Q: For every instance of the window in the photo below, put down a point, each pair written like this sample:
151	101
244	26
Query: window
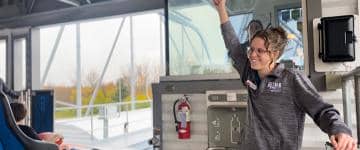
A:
195	42
196	45
127	72
290	20
3	59
240	23
20	63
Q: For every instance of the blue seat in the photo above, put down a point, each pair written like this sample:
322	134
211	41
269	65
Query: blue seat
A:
11	137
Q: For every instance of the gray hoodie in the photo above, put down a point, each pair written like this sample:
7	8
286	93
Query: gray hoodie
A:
277	104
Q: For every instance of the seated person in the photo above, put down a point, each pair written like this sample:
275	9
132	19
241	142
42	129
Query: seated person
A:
19	110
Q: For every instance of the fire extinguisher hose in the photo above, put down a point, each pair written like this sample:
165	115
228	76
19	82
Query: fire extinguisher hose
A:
174	112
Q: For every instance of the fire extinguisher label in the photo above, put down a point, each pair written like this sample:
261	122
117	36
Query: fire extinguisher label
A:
188	116
182	118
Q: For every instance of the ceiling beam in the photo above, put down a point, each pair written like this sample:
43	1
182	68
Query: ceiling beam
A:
95	10
71	2
30	6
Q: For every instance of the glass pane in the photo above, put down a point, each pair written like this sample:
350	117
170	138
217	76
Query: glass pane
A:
240	23
95	51
147	69
20	64
290	20
58	66
97	40
63	55
3	59
196	45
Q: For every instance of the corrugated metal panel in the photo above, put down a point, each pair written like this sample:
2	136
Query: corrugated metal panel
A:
199	138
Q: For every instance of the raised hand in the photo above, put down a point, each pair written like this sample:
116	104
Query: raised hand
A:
221	8
220	4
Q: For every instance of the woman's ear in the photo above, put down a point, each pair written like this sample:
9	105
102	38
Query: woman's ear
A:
276	54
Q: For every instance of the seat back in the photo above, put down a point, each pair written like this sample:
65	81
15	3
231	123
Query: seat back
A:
7	138
11	137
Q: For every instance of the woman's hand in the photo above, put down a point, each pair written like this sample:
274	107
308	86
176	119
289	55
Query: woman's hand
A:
221	8
342	141
220	4
51	137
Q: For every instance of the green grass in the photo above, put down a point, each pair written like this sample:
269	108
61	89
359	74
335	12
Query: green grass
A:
67	114
142	105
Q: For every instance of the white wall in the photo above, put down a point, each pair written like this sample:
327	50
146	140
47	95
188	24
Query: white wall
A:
338	7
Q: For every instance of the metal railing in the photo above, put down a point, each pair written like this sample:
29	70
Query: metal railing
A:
346	94
105	112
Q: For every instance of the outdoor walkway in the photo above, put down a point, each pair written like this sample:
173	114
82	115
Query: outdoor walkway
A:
78	131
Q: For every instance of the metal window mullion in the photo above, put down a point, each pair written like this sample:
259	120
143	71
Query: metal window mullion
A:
167	39
28	61
133	75
357	103
9	61
53	52
346	102
105	68
78	70
161	46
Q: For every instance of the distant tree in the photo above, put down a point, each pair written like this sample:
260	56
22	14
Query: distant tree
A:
91	78
124	92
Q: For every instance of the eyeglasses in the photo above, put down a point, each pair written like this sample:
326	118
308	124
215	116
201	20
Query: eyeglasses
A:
258	51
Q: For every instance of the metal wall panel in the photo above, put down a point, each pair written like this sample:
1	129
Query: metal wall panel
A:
198	117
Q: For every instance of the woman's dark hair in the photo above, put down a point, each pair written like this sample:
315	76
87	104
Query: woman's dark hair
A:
275	38
254	26
19	110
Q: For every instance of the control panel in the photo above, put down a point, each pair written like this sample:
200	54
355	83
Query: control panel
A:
226	113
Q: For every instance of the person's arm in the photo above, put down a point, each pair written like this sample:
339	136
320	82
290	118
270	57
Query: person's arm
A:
236	51
324	115
221	8
9	92
13	94
30	132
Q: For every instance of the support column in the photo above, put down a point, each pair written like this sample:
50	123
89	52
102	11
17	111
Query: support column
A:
35	61
78	71
357	104
133	67
346	102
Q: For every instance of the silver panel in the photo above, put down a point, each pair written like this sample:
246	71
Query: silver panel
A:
198	140
226	115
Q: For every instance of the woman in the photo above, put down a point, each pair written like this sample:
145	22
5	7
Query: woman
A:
278	97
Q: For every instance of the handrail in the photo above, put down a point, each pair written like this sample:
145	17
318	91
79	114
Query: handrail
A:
101	105
346	82
351	74
105	116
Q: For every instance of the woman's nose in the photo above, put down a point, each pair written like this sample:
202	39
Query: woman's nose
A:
252	54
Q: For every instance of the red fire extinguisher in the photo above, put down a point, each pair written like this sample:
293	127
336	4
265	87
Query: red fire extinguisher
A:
182	117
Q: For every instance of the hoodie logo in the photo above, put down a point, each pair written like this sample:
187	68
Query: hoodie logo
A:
274	86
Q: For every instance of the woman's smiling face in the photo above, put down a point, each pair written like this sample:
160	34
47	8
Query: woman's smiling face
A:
260	57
